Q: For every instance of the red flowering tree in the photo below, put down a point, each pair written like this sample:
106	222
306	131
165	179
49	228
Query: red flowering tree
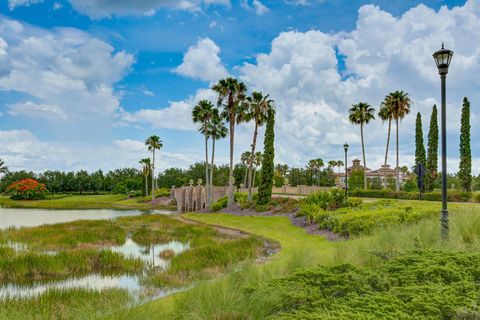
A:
27	189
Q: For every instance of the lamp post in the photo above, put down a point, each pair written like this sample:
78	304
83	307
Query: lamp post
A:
345	147
442	58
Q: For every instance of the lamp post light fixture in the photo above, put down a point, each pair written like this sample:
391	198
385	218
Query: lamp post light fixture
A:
345	147
442	58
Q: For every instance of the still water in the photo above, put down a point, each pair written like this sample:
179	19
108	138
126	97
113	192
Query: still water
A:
36	217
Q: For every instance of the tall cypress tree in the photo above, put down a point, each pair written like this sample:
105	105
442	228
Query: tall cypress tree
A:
465	170
432	157
266	184
420	154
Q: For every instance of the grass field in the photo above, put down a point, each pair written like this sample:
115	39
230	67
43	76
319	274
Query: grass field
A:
109	201
237	296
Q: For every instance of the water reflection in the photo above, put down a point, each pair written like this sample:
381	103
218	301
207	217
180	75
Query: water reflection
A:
151	254
36	217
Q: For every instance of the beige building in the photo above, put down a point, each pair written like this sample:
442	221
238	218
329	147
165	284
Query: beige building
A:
371	174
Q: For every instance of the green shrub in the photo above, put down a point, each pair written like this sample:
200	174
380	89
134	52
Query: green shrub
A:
419	285
219	204
452	195
162	192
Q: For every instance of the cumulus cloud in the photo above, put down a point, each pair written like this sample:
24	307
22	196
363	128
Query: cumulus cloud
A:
30	109
97	9
178	115
382	54
255	5
67	70
202	61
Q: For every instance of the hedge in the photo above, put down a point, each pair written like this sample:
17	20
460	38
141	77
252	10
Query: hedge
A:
452	196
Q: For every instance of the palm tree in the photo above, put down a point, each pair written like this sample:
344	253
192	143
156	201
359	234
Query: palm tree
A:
401	104
231	94
203	113
319	166
246	159
3	168
339	165
257	162
146	164
332	164
361	114
385	113
216	131
153	143
312	168
258	107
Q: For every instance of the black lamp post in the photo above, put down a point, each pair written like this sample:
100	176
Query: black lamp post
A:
442	59
345	147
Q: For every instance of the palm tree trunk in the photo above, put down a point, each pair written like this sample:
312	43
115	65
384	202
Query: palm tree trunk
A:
364	161
386	152
207	184
153	176
230	175
250	167
254	174
146	185
210	191
398	162
245	176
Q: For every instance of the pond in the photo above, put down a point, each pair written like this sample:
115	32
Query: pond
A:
36	217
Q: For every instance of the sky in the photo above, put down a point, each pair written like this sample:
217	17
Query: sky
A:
83	83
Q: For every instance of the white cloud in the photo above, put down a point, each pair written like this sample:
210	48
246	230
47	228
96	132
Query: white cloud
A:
382	54
255	5
4	60
178	115
98	9
30	109
202	61
65	68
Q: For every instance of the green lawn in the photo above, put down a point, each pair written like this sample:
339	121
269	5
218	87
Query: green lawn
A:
109	201
231	298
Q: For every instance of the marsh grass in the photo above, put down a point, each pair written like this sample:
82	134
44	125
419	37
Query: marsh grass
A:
79	248
65	304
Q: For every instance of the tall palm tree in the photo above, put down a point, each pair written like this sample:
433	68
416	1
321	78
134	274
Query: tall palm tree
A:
257	162
386	113
361	114
312	168
246	159
332	164
401	104
258	107
319	166
146	164
203	113
3	168
217	130
340	164
231	94
153	143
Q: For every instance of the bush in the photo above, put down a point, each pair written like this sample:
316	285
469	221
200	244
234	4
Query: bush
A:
452	196
419	285
162	192
220	204
327	200
27	189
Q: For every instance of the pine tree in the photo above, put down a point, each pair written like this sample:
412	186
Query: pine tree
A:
420	154
266	184
465	170
432	157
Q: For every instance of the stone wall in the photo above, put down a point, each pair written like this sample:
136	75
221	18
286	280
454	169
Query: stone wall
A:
300	190
194	198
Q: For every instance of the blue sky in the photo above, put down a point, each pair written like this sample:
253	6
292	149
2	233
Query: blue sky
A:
84	82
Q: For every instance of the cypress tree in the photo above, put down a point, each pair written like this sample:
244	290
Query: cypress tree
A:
266	184
432	157
465	170
420	154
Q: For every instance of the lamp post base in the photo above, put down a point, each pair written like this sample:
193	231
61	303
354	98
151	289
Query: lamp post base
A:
444	224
